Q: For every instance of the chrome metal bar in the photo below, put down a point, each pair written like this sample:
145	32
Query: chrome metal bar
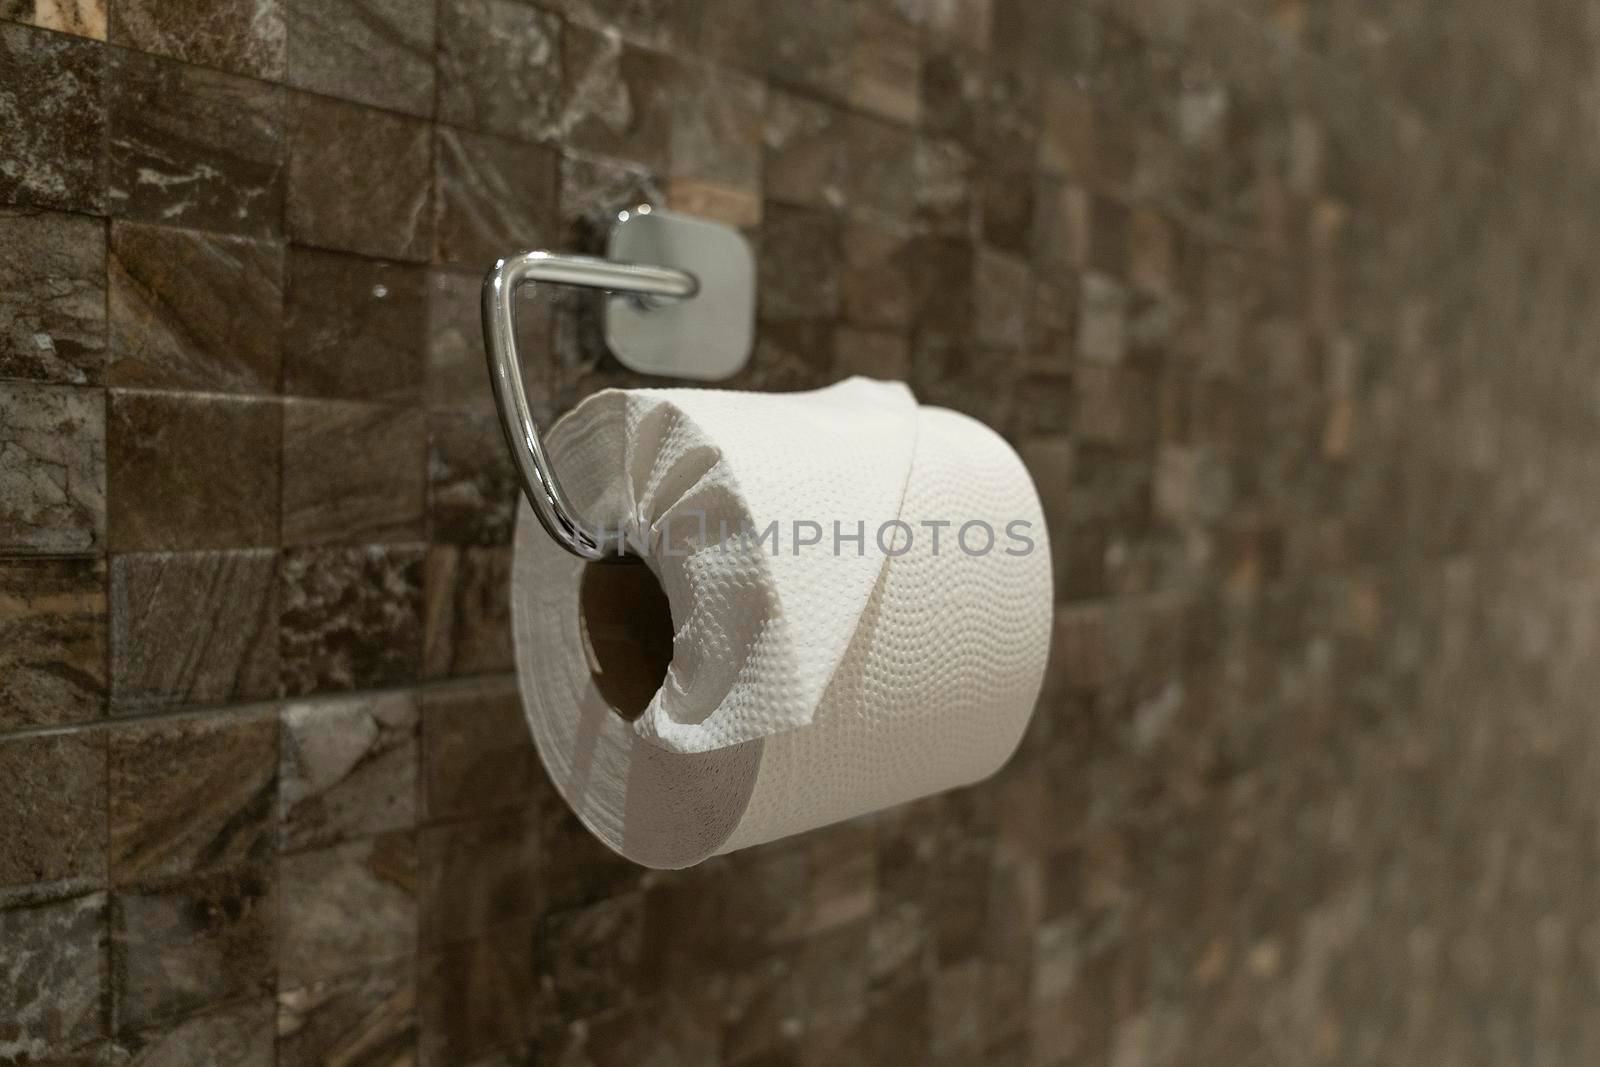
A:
556	513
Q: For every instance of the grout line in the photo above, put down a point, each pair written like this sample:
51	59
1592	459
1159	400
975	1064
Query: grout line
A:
420	689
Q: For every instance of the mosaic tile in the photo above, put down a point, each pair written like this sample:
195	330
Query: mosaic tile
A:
192	472
194	147
55	156
243	36
52	641
192	794
52	470
52	296
190	310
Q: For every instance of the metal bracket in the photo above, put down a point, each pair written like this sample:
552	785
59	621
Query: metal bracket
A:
691	317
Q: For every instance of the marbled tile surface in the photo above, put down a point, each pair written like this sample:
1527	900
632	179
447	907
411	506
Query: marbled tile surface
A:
377	52
353	328
359	179
243	36
500	68
192	794
193	628
365	1017
467	611
82	18
192	471
351	617
352	472
52	470
1285	305
59	782
349	767
194	147
52	641
191	310
495	196
52	974
55	152
347	907
234	1036
53	307
181	944
473	734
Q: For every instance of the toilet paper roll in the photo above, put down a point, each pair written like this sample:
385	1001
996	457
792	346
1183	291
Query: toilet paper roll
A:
860	605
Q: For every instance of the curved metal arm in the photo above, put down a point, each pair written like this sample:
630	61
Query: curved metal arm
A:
538	478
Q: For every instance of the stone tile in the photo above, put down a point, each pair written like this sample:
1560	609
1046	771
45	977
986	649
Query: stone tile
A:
192	472
193	311
367	1017
618	99
593	190
52	469
349	767
1061	227
193	628
54	154
1066	133
790	355
592	956
477	877
872	353
472	736
182	944
652	23
58	780
192	794
500	68
954	86
473	489
377	52
52	296
352	618
359	180
81	18
52	641
886	69
239	1035
717	130
874	282
575	869
945	201
467	625
812	47
1002	291
194	147
242	36
458	377
52	976
1102	320
496	197
352	472
797	265
879	175
480	1003
354	328
1005	209
805	151
347	908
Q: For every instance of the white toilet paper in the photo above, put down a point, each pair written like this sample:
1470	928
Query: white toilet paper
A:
860	601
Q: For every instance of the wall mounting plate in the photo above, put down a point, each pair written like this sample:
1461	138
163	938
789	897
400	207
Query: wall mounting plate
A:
705	337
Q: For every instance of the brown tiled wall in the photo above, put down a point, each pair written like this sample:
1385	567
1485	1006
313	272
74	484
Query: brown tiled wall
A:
1288	304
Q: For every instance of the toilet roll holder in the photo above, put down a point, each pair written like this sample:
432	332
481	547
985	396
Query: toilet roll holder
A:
682	305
